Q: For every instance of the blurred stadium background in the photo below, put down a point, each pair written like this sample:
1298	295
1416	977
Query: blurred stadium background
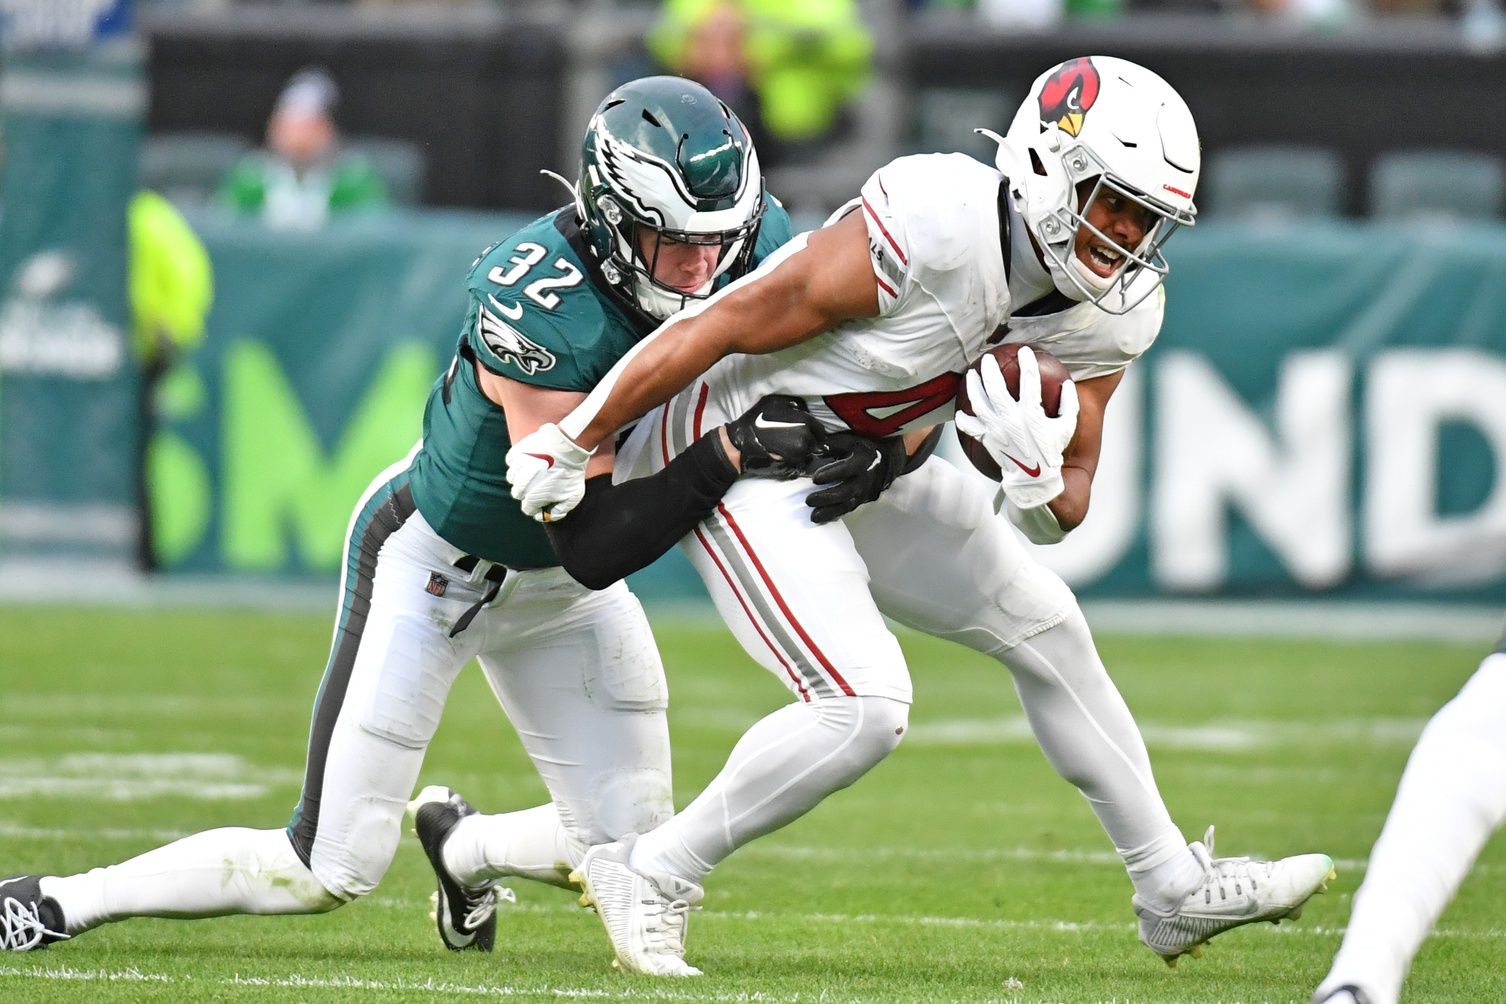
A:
1316	446
1323	417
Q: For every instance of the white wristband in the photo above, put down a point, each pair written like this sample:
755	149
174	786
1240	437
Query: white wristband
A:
1038	523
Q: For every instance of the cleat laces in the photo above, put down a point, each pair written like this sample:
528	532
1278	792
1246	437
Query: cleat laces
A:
665	921
21	926
481	904
1223	874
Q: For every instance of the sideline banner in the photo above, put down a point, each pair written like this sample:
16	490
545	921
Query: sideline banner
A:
1325	411
72	100
320	351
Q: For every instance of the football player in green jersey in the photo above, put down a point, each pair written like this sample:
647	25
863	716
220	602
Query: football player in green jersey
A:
441	566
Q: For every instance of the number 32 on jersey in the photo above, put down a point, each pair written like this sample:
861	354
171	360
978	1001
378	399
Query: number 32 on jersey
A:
540	290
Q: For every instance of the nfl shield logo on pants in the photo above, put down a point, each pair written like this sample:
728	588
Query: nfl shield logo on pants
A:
437	584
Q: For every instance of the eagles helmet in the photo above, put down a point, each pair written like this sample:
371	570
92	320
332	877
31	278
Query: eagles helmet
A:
663	154
1096	124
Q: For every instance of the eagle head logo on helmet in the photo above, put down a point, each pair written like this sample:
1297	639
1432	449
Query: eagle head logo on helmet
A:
1068	93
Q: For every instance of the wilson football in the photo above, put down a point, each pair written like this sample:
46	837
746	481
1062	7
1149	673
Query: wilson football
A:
1053	375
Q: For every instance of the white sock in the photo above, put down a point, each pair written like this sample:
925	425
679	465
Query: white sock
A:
1452	797
531	843
210	874
779	770
1087	732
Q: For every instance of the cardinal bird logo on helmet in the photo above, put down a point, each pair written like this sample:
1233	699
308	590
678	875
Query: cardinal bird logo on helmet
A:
1069	93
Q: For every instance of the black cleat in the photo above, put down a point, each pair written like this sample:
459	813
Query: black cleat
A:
465	918
28	919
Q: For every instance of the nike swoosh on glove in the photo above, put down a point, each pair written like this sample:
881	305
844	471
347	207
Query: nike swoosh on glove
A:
777	437
1024	441
854	470
547	471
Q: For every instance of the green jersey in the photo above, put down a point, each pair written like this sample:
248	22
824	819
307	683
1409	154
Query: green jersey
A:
540	313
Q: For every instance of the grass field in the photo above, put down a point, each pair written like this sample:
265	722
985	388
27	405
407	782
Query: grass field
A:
961	869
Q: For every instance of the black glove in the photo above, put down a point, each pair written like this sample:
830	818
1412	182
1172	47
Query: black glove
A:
857	469
777	437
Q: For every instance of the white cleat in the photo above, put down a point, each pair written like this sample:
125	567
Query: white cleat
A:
1234	892
645	915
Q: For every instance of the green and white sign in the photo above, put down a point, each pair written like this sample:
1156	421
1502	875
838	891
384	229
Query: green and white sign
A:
70	121
1325	411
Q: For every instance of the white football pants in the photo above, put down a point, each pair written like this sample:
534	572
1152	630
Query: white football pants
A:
808	603
576	671
1452	797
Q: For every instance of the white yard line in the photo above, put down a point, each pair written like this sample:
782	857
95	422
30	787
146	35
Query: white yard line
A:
1219	735
41	582
296	981
127	777
66	973
19	832
711	914
1026	855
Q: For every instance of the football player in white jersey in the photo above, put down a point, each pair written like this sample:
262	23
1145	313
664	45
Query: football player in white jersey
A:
1452	797
873	320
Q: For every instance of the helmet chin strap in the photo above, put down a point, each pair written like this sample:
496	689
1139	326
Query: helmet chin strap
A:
1095	282
1030	203
658	302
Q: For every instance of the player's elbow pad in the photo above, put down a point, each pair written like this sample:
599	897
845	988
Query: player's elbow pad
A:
1038	523
618	529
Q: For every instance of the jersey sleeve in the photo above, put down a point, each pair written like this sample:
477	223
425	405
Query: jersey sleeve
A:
1107	343
515	336
921	222
1131	334
774	230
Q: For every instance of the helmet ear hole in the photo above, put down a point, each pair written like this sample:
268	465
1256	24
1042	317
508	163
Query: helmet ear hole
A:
1035	163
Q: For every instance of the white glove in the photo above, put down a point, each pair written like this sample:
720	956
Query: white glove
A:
547	471
1024	441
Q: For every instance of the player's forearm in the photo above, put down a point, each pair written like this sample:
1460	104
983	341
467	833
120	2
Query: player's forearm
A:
1071	507
789	300
652	372
619	528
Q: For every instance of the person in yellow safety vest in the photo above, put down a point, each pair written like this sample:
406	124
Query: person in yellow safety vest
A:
171	284
806	58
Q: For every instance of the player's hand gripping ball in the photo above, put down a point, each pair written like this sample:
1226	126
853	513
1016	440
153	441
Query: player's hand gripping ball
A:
1054	376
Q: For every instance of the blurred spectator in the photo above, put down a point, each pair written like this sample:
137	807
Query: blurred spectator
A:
714	53
1317	12
302	176
798	62
1030	13
171	283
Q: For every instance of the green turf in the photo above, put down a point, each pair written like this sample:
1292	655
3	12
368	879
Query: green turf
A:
960	869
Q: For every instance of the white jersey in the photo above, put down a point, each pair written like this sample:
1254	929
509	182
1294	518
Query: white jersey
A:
933	239
1091	342
934	242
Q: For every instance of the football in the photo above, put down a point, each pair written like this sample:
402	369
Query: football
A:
1053	375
